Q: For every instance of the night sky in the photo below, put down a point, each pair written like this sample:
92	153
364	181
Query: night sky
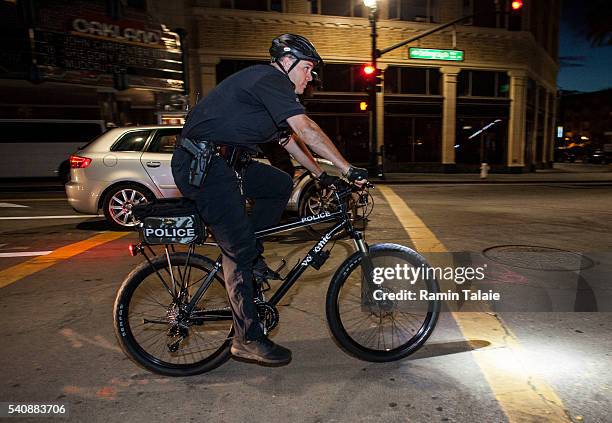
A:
582	67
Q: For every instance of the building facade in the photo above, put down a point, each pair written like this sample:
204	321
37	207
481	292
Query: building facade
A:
428	108
426	112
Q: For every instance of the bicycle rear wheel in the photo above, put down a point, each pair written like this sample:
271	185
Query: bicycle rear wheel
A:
151	323
380	331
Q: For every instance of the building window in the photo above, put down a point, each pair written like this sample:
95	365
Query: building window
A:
413	139
350	134
413	10
482	84
406	80
342	78
349	8
488	146
314	7
488	13
263	5
276	5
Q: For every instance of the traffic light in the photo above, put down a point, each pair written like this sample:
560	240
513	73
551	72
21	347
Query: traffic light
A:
363	106
517	4
368	72
378	80
373	78
515	18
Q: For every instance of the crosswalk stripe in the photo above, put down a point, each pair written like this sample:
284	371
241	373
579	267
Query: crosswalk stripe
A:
69	216
29	267
24	254
521	394
12	205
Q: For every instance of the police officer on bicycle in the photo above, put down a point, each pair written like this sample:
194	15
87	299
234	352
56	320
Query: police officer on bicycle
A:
213	167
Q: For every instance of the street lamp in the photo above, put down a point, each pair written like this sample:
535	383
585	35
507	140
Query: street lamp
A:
372	5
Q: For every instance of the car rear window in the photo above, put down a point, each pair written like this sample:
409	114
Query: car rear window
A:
131	141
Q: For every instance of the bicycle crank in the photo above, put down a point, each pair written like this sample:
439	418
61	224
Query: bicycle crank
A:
268	316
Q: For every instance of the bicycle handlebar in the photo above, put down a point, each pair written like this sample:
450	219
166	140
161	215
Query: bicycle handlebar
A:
344	188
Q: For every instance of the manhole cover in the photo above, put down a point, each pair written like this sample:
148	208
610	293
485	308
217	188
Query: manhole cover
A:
538	258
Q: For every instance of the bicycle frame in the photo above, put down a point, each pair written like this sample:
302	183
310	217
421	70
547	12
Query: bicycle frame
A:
315	256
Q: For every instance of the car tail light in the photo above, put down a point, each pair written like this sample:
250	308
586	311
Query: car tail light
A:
78	162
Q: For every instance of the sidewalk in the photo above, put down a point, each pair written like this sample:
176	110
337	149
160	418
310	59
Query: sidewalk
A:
560	173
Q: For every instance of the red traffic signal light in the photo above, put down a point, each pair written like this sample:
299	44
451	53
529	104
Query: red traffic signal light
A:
368	69
515	19
516	4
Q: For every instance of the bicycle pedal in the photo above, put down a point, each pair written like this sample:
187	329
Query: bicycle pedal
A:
278	271
263	284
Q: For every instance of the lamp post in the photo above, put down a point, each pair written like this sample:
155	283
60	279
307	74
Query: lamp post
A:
372	5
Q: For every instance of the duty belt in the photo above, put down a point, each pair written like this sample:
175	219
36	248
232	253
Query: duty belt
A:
202	151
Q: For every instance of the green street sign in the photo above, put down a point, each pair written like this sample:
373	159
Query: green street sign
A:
435	54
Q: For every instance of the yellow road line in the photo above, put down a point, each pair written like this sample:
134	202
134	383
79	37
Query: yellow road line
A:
521	394
21	270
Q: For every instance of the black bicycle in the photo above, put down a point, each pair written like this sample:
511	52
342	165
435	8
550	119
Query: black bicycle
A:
172	315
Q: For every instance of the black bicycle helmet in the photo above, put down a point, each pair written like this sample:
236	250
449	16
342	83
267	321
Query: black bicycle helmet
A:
296	46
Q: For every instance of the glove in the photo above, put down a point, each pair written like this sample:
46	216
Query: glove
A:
327	180
356	174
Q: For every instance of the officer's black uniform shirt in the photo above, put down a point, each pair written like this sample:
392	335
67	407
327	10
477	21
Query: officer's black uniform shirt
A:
250	107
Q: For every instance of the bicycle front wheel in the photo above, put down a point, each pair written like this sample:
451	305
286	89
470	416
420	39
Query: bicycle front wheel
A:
373	329
153	327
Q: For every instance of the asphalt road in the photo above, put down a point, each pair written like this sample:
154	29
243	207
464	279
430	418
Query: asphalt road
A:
59	347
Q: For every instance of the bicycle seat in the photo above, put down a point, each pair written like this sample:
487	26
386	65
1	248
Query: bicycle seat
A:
170	221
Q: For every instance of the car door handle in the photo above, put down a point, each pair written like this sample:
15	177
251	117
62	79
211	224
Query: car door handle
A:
153	164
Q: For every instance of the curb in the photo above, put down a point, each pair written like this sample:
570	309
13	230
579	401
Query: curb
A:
490	182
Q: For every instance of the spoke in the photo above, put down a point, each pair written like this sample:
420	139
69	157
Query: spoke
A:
358	322
404	328
370	337
162	350
161	322
150	296
346	310
156	334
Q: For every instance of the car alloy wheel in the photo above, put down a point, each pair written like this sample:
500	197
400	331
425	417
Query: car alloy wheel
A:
119	203
316	199
319	201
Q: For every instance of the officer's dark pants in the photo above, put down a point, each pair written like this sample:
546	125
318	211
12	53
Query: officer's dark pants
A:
222	207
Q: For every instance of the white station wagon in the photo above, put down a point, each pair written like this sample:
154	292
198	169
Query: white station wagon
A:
126	166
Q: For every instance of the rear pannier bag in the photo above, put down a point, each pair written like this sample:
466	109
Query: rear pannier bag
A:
170	221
